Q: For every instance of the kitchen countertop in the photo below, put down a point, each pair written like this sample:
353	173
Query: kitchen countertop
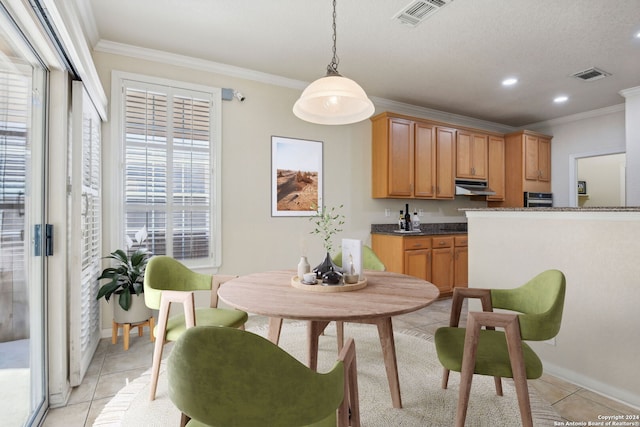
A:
429	229
558	209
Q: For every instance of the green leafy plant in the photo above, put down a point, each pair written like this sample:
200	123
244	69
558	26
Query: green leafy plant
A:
328	222
125	278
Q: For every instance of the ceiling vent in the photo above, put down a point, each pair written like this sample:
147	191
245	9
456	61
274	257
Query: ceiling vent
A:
591	74
419	10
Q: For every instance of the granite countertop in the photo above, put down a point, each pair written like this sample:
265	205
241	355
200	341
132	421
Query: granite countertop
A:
430	229
558	209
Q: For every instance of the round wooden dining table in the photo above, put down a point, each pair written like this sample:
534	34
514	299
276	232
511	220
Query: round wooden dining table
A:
386	295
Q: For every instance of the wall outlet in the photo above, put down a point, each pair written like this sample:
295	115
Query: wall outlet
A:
387	212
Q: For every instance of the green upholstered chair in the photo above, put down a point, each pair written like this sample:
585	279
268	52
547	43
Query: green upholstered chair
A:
535	315
228	377
370	261
167	281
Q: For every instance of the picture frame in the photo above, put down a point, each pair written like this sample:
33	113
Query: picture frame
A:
582	187
296	176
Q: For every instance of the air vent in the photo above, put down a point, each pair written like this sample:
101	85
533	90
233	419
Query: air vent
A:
417	11
591	74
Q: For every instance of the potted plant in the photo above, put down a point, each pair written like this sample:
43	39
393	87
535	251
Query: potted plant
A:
327	222
125	279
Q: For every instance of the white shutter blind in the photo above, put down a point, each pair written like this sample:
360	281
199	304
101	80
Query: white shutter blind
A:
85	233
168	171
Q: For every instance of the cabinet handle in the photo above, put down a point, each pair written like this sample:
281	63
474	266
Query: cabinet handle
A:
442	243
417	245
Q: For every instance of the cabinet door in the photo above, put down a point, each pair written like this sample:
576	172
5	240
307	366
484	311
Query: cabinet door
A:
496	168
442	269
445	163
544	159
479	155
464	155
417	263
400	157
531	168
461	270
425	160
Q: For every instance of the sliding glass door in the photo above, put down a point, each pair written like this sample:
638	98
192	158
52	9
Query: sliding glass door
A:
22	292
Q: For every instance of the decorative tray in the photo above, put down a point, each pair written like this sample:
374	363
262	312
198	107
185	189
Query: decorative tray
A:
319	287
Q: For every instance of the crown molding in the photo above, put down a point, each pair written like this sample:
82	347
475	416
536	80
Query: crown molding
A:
438	115
628	93
577	117
107	46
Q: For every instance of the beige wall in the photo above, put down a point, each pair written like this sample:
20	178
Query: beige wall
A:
599	342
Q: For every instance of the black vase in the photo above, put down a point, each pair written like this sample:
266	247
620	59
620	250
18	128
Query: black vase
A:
325	266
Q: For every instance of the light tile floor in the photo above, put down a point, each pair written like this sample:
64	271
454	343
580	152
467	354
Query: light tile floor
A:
112	368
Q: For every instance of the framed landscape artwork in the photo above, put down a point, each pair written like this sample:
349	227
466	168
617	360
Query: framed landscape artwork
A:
296	176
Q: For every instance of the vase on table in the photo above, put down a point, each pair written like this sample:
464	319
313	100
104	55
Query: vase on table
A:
325	266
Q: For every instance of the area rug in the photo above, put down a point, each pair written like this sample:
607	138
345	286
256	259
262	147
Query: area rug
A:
425	403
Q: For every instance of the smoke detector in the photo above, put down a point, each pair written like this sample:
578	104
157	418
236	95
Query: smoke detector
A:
419	10
591	74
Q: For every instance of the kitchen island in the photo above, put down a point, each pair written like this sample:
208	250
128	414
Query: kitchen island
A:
598	250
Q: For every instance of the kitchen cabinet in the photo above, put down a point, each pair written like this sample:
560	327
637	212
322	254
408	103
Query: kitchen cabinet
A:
471	155
496	175
528	167
411	158
439	259
442	267
461	262
417	257
537	161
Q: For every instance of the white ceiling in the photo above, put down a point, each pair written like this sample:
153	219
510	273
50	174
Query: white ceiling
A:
454	61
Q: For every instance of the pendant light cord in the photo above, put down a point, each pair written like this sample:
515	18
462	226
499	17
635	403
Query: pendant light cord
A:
332	68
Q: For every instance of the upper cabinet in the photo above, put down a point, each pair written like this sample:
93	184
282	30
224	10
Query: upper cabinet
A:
496	168
415	158
528	160
472	155
411	158
537	166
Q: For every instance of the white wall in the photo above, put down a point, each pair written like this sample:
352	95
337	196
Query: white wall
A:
583	135
599	342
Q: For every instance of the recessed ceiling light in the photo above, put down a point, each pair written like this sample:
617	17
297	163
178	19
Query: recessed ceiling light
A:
510	81
638	35
560	99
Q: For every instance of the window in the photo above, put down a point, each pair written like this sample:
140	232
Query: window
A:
170	149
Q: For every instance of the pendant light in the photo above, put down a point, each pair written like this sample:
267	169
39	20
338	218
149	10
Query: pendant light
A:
333	99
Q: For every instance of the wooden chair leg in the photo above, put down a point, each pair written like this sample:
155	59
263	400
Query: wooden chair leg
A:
445	378
163	317
498	382
340	335
184	419
516	357
468	366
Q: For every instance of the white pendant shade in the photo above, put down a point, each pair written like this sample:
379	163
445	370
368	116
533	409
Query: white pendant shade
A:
333	100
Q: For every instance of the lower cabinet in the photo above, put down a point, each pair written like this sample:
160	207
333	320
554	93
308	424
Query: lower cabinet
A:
441	260
461	262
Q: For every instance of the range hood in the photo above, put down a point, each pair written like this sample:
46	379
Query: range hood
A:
473	188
